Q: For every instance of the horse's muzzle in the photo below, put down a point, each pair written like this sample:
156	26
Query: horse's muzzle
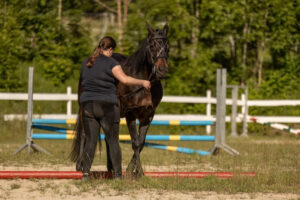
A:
161	68
161	72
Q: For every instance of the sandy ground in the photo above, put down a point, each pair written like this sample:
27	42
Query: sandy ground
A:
67	189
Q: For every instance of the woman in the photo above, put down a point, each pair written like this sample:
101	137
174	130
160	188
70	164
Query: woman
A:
98	100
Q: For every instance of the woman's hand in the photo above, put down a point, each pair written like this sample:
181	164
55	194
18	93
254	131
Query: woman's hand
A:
146	84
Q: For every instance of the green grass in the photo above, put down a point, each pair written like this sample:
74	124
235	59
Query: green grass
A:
15	186
275	159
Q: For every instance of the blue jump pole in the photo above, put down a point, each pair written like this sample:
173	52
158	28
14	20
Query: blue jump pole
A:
154	122
50	128
127	137
177	149
49	121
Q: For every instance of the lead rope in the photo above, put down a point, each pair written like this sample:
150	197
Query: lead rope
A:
153	70
138	89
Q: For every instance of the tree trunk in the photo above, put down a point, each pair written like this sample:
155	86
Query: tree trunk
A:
120	24
59	9
260	50
106	6
195	30
245	49
32	40
296	48
4	20
105	25
260	58
232	50
255	67
125	12
246	32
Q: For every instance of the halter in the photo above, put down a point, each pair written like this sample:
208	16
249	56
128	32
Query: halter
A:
159	54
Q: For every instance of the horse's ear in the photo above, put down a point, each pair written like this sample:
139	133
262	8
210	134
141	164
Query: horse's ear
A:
166	28
150	30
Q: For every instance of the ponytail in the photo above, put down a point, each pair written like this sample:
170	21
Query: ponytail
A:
104	44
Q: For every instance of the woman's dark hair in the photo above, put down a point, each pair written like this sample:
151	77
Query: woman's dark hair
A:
105	43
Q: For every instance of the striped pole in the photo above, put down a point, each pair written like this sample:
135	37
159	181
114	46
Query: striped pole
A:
127	137
52	128
165	137
108	175
123	122
277	126
177	149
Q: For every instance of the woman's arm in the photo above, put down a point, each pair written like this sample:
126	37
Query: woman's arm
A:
128	80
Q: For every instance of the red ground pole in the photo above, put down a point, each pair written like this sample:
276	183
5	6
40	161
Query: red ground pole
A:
198	174
40	174
107	175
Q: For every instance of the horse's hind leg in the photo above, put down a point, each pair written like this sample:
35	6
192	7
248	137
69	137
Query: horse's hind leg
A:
143	128
131	124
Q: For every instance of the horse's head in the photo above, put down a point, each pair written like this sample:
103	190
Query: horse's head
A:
158	49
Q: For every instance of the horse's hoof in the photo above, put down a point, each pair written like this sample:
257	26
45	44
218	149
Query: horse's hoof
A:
139	174
85	177
117	177
79	166
130	168
129	173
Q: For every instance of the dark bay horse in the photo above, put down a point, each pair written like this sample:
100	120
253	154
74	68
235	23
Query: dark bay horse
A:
149	62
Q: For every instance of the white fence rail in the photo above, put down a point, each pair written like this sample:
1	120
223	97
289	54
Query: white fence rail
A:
169	99
208	100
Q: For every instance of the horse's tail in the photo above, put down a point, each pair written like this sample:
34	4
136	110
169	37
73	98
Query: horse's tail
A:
77	147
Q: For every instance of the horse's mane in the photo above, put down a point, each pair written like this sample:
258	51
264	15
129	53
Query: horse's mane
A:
134	62
119	57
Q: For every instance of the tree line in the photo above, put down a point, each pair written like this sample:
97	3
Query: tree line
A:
257	41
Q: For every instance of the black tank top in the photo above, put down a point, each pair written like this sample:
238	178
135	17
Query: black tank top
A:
98	81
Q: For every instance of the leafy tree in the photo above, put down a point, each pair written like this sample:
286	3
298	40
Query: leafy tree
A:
257	41
12	51
31	32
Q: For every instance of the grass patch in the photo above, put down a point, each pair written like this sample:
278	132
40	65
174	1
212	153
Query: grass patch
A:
15	186
275	159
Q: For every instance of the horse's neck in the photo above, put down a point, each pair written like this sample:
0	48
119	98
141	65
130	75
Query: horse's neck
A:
137	64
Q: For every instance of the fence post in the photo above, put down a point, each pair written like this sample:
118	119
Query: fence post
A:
245	113
29	109
221	114
223	105
218	114
29	143
234	93
208	111
69	102
243	104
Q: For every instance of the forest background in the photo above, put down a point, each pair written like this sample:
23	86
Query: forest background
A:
257	42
